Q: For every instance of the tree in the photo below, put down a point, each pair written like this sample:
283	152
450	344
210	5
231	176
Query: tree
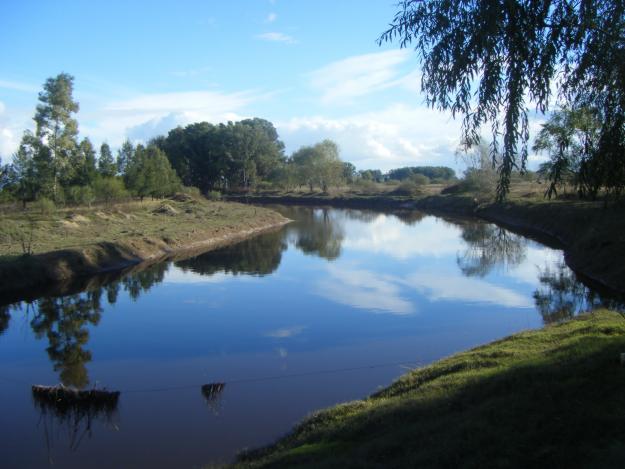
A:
124	156
150	173
83	165
56	128
319	165
106	164
22	174
483	59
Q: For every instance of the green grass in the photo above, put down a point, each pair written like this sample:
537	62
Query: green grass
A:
554	397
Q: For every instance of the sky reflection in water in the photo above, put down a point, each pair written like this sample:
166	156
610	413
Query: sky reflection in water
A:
277	326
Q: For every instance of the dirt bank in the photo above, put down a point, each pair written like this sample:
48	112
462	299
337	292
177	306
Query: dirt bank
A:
150	234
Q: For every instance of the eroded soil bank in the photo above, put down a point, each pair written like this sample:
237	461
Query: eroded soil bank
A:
77	243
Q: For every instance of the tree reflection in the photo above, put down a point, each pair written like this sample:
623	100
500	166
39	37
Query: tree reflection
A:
562	296
257	256
5	318
489	246
64	322
316	232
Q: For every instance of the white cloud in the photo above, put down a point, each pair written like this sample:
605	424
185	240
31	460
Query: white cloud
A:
17	86
271	17
148	115
10	133
455	287
277	37
359	75
363	289
397	135
181	102
389	236
285	332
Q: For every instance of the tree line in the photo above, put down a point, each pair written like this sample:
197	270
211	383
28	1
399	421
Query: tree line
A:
52	163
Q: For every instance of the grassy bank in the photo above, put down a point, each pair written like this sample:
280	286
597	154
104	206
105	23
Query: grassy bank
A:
38	247
546	398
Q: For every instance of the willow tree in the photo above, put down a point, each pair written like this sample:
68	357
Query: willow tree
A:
488	59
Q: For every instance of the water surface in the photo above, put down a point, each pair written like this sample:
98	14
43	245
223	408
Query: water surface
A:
325	310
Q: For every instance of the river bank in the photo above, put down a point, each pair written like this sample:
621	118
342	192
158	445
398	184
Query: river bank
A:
590	235
37	249
549	397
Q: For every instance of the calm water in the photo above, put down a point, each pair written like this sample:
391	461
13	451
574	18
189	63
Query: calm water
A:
330	308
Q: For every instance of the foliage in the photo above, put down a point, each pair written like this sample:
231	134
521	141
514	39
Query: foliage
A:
236	154
431	172
110	189
372	175
150	174
81	195
44	206
56	131
213	195
482	59
107	167
570	138
318	165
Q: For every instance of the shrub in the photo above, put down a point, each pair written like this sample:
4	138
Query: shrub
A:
190	190
366	186
420	179
407	188
80	195
213	195
110	189
44	206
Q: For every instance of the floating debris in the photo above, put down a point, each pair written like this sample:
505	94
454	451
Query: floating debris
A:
212	393
65	400
73	409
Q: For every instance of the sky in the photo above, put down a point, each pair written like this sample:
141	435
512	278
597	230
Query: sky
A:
313	68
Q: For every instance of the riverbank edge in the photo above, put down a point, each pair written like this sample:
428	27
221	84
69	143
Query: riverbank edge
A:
65	265
545	397
590	236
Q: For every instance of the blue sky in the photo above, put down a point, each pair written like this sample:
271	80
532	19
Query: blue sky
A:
141	68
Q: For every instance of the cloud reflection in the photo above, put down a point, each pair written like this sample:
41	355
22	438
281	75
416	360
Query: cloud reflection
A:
445	286
364	289
388	235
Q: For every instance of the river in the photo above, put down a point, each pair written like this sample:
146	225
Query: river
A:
327	309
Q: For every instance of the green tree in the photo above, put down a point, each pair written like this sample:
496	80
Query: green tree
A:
124	156
319	165
106	164
22	173
569	137
56	128
150	173
483	59
83	165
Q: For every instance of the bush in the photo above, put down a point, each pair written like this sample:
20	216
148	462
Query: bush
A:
365	186
407	188
190	190
110	189
420	179
213	195
80	195
44	206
